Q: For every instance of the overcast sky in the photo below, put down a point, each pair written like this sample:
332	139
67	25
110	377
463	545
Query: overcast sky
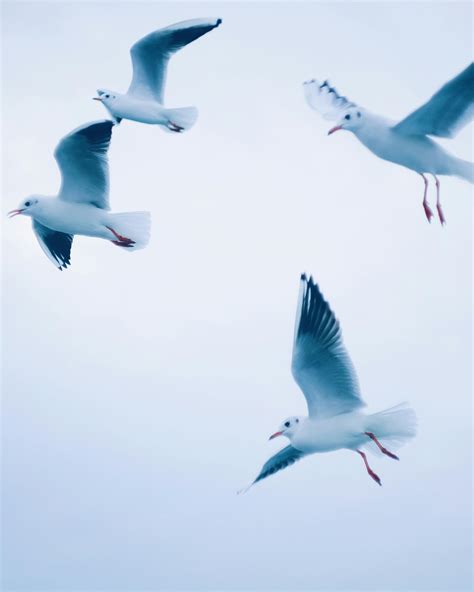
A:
140	389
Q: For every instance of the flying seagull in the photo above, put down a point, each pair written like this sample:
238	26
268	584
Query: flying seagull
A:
82	205
407	142
150	55
323	370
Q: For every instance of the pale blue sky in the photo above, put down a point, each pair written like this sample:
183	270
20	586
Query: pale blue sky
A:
140	389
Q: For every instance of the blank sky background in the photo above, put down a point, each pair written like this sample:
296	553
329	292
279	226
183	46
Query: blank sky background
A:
140	389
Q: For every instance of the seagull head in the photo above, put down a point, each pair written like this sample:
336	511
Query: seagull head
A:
27	207
351	120
105	96
288	427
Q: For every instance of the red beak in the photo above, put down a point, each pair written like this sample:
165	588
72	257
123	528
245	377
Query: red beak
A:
96	99
275	435
14	213
334	129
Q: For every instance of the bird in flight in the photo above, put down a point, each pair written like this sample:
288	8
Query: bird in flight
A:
324	372
144	100
82	205
407	142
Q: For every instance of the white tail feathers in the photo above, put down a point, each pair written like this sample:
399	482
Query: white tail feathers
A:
133	228
392	426
464	169
182	119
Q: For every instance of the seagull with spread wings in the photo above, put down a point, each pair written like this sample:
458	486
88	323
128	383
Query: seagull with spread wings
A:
82	205
323	370
407	142
150	56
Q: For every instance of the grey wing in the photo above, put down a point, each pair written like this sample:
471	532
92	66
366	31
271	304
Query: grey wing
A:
56	245
82	159
150	55
448	110
325	99
321	365
282	459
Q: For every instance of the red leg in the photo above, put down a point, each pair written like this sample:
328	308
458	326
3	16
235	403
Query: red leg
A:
426	206
442	219
381	448
122	241
374	476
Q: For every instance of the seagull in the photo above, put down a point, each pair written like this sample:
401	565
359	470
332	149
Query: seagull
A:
324	372
82	205
407	142
150	55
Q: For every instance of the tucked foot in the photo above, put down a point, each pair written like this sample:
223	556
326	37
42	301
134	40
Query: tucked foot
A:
442	219
174	127
374	476
122	241
428	212
381	448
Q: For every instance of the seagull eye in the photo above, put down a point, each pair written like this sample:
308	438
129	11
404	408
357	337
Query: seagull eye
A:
27	203
107	96
287	424
347	117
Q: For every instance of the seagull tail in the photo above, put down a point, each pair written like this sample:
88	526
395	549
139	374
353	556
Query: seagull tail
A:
180	120
392	426
133	227
464	169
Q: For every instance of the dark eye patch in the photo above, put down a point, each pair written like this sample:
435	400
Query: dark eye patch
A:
358	114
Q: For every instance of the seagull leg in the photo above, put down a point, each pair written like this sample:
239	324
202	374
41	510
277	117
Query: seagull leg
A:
381	448
122	241
174	127
442	219
426	206
374	476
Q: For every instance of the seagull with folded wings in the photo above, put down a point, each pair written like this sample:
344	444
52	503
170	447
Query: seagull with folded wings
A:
407	142
144	99
82	205
323	370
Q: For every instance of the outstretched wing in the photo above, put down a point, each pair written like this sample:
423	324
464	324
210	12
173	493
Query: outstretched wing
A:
325	99
286	457
82	159
448	110
56	245
321	365
150	55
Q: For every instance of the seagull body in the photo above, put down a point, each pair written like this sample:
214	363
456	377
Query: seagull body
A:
143	101
81	206
324	372
408	142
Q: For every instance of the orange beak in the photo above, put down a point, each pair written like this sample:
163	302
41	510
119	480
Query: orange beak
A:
14	213
275	435
334	129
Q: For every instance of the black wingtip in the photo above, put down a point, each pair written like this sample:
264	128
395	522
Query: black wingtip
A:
303	277
218	22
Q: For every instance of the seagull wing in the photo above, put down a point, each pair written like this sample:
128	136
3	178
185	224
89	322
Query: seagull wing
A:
286	457
150	55
82	159
56	245
325	99
448	110
321	366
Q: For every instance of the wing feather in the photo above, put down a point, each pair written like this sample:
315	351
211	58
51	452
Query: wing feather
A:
56	245
325	99
150	55
282	459
82	160
448	110
320	365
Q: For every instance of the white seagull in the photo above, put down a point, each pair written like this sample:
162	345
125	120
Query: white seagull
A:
323	370
407	142
82	205
150	55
